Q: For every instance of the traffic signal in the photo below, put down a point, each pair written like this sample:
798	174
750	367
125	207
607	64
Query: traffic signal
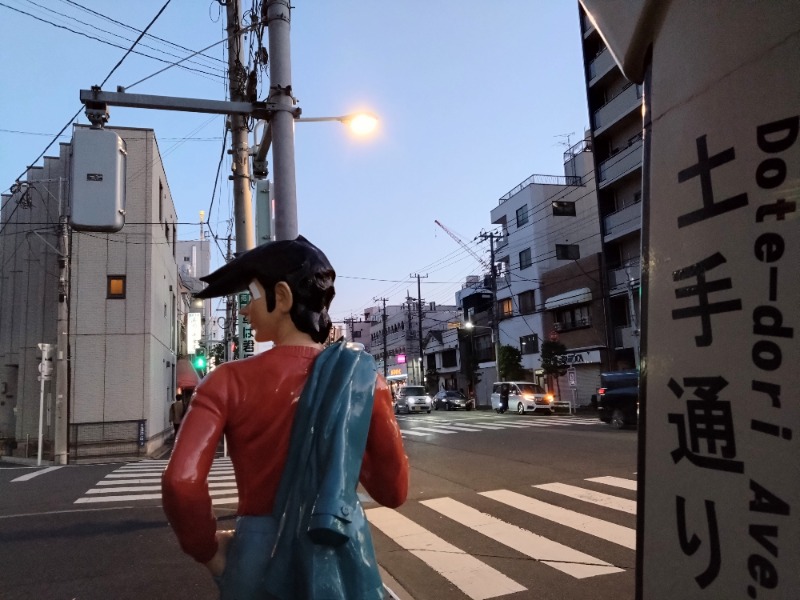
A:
200	359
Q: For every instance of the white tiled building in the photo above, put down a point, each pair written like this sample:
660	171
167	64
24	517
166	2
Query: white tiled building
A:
122	295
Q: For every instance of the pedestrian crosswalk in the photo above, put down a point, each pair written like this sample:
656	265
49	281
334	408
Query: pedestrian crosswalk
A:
416	426
613	551
576	530
142	481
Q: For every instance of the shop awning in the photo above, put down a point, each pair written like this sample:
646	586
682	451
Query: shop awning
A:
579	296
187	377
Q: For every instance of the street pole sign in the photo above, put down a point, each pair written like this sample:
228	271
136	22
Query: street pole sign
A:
46	373
719	475
246	346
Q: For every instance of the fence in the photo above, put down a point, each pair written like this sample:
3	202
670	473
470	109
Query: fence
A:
109	438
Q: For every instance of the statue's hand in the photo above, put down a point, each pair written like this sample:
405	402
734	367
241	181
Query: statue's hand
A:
217	563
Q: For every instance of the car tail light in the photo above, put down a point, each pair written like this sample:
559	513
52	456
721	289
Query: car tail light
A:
601	391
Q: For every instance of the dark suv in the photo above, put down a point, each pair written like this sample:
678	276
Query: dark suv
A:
618	398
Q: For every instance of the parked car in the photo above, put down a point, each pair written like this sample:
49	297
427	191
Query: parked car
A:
619	406
618	398
451	400
413	398
523	396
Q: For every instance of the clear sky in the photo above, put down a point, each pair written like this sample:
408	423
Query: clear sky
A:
473	98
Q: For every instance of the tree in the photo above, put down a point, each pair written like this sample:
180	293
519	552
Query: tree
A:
552	357
217	352
510	367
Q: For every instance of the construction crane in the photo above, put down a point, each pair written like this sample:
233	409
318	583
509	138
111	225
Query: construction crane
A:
458	240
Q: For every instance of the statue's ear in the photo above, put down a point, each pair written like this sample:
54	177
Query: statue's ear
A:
283	296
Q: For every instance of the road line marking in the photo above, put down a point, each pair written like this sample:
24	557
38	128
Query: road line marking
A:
137	475
628	484
231	500
432	430
599	498
412	432
30	476
129	497
503	424
495	427
150	486
560	557
458	427
474	578
611	532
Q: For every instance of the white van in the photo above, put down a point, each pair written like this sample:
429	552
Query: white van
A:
523	396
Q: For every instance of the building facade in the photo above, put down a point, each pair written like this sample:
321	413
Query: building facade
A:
122	295
615	114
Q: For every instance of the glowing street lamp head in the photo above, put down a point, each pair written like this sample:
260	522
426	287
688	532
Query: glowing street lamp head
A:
362	123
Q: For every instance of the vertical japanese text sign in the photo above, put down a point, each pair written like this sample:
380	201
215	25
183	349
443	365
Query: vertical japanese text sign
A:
246	346
719	476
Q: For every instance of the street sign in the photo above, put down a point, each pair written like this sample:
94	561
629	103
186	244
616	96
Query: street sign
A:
572	377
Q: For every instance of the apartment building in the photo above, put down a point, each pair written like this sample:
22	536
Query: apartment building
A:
550	285
122	295
616	132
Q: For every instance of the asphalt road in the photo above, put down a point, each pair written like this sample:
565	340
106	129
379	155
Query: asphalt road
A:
98	532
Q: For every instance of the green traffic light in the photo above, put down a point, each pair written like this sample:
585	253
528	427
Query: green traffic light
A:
200	363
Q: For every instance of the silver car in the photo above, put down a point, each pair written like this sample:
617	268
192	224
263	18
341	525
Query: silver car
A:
413	398
523	396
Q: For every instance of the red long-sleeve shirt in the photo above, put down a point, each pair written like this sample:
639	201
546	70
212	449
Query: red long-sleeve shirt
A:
253	402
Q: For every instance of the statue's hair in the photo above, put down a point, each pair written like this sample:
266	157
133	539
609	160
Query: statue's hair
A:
299	263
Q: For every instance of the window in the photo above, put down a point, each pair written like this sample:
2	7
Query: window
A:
527	304
572	317
186	259
356	333
568	251
505	308
562	208
115	287
529	344
525	260
449	359
522	216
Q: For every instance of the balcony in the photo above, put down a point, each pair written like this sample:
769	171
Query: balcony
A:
570	325
622	222
586	26
621	105
618	278
622	163
600	66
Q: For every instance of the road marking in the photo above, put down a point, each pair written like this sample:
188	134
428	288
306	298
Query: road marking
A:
129	497
563	558
474	578
611	532
30	476
503	424
138	475
495	427
628	484
607	500
432	430
150	486
412	432
457	427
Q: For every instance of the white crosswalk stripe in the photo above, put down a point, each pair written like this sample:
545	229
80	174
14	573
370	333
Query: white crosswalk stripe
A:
142	481
478	580
416	426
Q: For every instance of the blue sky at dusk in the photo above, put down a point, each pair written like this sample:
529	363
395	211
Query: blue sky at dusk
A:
473	97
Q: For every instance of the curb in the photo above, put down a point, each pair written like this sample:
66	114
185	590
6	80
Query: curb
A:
394	591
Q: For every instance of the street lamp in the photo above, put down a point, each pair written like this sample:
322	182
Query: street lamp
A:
359	123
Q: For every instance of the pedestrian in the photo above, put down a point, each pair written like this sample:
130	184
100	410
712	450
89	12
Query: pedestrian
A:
304	426
505	390
176	411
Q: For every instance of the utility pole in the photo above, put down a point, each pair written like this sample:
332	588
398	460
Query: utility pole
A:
278	15
419	323
385	355
495	313
240	156
229	324
60	433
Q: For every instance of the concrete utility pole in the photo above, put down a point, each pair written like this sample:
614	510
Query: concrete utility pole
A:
385	354
242	200
229	307
60	434
278	16
419	323
495	313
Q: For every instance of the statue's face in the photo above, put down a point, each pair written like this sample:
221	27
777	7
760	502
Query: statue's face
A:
263	322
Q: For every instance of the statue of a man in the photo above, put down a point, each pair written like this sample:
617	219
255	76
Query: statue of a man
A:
300	529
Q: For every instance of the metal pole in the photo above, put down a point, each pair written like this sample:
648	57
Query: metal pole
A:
419	326
60	454
282	122
243	210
